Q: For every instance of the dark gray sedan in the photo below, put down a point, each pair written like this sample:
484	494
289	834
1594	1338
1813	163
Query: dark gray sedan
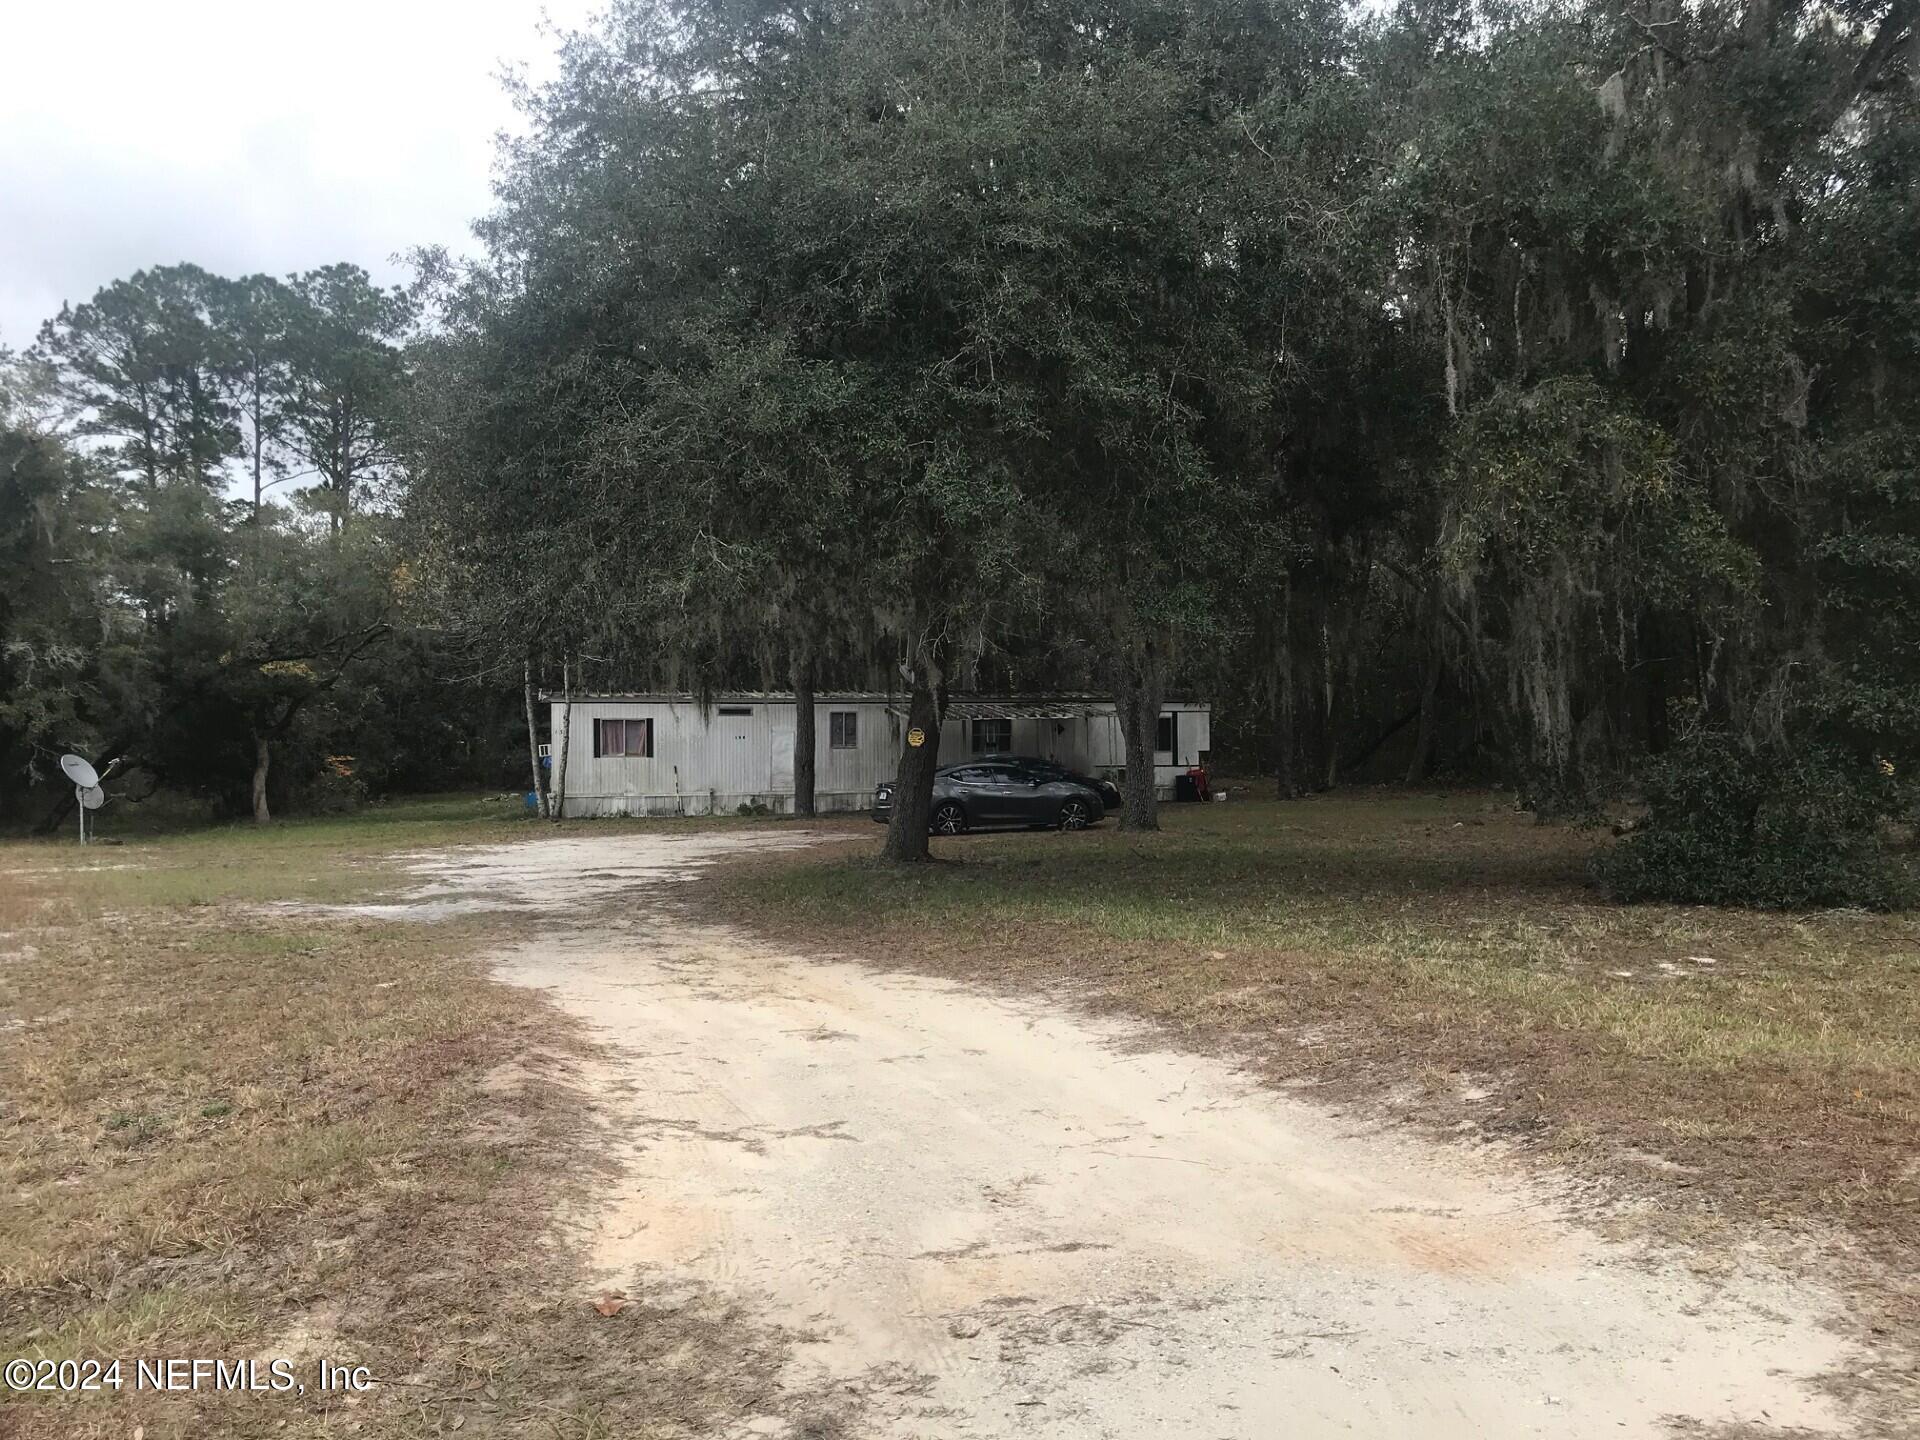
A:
1108	792
980	794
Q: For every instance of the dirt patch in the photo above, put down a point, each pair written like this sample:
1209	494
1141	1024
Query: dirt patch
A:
988	1216
553	875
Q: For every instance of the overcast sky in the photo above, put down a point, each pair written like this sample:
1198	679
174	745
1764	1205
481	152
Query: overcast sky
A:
245	135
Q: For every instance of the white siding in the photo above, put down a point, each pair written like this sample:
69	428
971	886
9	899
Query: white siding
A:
1192	736
1064	741
704	762
845	779
701	763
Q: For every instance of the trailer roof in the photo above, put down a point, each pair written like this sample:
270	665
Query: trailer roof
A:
725	697
1061	705
1014	707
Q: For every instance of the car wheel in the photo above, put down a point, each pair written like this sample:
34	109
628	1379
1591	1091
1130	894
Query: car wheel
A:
949	819
1075	815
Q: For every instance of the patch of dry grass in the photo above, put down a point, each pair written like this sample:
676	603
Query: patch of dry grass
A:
230	1134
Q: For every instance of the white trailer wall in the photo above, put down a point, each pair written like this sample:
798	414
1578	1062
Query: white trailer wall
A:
708	760
845	779
1063	741
1192	739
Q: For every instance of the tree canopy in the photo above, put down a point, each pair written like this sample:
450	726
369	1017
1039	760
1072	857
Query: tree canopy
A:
1512	391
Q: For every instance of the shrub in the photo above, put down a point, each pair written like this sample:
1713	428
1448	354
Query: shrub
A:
1730	825
335	789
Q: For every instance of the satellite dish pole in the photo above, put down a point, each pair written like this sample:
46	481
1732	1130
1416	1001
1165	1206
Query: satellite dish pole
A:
92	798
84	779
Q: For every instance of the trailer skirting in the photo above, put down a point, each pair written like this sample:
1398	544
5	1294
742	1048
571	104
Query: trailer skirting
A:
825	802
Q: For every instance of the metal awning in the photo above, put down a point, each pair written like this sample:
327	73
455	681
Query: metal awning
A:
1010	709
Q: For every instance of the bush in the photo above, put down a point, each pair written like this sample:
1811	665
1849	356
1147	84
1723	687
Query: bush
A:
1728	825
335	788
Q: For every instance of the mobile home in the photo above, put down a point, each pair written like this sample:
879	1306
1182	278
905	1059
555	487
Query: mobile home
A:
662	754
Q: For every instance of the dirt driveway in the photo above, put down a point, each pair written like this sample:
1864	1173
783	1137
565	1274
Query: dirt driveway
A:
983	1217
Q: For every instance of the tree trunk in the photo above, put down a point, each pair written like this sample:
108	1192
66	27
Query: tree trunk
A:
1286	786
913	781
1423	737
803	736
262	757
1372	747
533	740
1486	695
259	442
1137	699
557	810
1331	757
1657	732
1140	794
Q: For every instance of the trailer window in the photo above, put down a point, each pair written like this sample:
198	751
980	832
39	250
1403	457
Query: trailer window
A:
623	737
1167	735
843	729
992	737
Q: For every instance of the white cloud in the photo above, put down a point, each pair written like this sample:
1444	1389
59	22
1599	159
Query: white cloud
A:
245	135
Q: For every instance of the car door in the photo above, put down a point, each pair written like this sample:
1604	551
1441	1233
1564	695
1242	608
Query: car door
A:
969	785
1004	794
1041	790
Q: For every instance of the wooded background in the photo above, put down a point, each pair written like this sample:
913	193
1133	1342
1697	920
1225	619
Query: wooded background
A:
1518	393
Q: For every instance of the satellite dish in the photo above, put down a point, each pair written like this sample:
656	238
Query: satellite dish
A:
93	797
79	771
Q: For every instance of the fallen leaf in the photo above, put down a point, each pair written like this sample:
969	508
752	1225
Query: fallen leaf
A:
612	1303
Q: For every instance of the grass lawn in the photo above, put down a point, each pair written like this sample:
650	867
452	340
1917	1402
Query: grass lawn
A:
1442	958
230	1132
